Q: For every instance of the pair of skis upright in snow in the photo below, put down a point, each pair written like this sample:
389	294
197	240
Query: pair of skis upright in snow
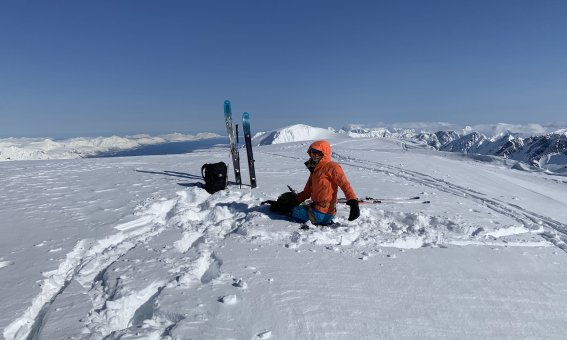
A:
233	140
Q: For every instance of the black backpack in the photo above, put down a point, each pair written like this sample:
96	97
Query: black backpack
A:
215	176
285	203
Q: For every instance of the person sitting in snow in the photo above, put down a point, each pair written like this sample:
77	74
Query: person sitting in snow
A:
322	187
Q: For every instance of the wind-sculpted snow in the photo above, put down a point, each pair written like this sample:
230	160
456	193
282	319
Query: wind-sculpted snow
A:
88	260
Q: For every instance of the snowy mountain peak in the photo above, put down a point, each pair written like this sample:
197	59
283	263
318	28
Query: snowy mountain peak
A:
467	143
293	133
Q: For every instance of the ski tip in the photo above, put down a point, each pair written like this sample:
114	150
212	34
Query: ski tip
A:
227	106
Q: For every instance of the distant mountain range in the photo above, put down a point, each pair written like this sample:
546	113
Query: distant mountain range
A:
546	151
46	148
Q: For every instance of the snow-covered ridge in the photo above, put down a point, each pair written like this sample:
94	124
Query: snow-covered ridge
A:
293	133
47	148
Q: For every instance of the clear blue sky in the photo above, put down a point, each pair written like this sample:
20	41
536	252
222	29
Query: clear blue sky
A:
71	68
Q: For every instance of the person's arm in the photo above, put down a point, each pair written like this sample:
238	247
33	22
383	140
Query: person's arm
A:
306	193
340	178
343	183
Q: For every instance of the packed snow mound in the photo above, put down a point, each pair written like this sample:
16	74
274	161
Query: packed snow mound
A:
47	148
293	133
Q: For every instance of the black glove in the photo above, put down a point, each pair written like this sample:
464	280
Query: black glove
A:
354	209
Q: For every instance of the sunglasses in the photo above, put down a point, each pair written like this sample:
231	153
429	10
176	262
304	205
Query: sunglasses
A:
315	152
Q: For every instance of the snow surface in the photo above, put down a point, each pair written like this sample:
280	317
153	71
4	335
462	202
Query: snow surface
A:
133	248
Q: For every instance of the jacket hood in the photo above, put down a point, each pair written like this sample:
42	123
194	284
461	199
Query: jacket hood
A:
324	147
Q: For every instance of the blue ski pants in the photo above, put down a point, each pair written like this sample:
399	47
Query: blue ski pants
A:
301	214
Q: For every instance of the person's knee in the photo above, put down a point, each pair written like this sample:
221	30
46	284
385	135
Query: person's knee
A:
300	214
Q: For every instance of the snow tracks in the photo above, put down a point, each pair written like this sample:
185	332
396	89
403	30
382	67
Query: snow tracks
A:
160	276
551	230
170	243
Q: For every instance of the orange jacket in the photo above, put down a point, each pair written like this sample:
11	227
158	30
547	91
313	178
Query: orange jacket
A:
322	185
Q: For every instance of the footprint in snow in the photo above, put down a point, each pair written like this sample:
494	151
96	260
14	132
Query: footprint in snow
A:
264	335
229	299
5	263
239	283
